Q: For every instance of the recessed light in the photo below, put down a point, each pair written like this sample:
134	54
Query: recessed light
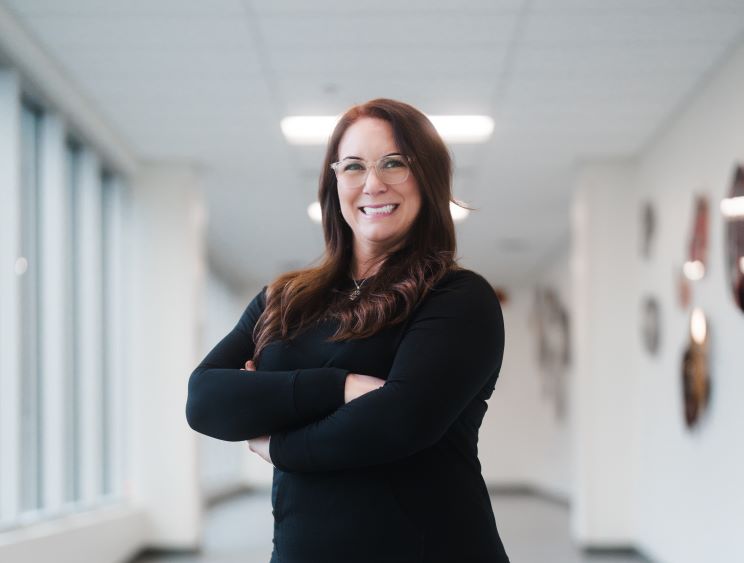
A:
694	270
458	213
314	212
732	207
315	129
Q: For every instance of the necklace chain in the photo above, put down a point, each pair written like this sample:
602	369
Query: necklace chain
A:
356	292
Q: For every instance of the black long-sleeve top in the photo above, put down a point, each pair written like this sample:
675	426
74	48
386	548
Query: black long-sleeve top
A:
392	476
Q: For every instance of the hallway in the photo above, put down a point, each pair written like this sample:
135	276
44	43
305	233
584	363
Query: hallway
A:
534	530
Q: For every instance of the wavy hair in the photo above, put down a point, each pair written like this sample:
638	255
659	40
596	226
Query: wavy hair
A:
297	299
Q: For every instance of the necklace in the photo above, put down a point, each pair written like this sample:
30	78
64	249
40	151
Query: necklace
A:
356	292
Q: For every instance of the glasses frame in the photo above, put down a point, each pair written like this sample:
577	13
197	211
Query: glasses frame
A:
373	164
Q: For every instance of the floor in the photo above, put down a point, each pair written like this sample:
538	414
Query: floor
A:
521	519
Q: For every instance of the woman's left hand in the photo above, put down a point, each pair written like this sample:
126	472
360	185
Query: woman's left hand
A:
258	445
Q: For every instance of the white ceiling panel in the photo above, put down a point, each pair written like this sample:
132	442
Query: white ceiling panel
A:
128	8
602	90
163	31
434	95
670	8
629	28
211	63
642	61
375	30
389	7
412	62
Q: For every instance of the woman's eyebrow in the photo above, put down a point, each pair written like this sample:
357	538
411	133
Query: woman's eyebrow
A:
360	158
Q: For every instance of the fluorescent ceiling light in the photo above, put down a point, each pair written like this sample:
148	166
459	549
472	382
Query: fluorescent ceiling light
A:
308	129
463	128
316	129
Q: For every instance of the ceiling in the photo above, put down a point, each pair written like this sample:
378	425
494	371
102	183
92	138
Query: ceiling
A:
208	82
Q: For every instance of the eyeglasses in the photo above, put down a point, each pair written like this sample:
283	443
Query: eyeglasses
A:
353	172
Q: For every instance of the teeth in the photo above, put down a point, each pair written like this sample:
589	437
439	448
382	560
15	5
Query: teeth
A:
378	210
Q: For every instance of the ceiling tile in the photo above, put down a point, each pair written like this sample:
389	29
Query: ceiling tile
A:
460	29
128	8
266	7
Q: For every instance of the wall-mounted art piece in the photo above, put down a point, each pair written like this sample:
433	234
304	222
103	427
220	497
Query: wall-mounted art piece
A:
696	381
697	254
683	290
551	325
651	325
502	295
732	209
648	228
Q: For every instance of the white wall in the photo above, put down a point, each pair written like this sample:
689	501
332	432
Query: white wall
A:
169	273
675	493
522	440
226	466
691	484
603	395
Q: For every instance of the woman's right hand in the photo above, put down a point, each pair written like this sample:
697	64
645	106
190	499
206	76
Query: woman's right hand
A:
358	385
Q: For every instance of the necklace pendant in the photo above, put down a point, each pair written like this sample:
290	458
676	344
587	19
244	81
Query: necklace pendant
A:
354	294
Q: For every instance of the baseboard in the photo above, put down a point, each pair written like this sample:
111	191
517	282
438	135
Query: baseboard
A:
617	552
524	490
531	491
228	492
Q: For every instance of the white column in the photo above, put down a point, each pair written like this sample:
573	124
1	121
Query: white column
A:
605	410
117	346
53	359
10	213
169	275
90	326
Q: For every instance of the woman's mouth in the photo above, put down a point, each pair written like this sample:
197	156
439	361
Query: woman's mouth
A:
380	211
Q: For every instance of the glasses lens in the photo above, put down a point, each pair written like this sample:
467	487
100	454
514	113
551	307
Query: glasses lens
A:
351	173
393	169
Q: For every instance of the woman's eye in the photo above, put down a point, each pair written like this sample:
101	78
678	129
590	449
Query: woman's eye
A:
352	167
393	163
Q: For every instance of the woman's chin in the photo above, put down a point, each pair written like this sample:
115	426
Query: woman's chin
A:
387	240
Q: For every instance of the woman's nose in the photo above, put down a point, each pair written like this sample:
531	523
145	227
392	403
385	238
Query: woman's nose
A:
373	183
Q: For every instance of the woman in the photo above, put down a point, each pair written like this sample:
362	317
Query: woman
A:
370	372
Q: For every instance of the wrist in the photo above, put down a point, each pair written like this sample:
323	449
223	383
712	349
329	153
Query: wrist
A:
349	387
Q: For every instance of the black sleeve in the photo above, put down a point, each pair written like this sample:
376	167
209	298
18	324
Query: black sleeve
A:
452	347
227	403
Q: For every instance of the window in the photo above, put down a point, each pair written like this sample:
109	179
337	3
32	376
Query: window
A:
30	376
62	312
72	398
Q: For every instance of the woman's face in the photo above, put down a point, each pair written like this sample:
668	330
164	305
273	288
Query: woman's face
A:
370	139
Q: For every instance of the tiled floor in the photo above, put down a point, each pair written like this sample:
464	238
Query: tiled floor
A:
533	530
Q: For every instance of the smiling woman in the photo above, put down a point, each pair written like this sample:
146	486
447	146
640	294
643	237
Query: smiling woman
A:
367	398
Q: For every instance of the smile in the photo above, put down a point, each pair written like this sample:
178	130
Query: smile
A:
379	211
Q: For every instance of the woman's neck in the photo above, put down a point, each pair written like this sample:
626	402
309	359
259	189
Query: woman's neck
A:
365	270
366	262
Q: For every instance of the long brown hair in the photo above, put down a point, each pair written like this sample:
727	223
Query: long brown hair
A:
299	298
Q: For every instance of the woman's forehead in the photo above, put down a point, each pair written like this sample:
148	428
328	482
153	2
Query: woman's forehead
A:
367	138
